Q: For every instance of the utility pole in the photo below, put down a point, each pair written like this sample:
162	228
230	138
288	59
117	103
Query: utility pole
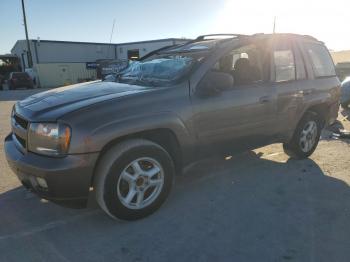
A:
29	53
274	25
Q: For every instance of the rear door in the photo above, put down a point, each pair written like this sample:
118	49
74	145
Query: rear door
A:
288	73
323	85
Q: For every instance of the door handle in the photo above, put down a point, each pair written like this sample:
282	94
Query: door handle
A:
264	99
307	92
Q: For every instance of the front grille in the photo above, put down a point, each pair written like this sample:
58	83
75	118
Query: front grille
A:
21	141
20	121
19	129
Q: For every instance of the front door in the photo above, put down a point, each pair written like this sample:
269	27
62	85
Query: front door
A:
240	116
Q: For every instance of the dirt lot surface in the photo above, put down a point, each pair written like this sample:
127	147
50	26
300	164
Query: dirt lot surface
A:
257	206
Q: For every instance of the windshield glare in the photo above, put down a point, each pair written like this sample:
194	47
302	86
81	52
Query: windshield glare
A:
166	68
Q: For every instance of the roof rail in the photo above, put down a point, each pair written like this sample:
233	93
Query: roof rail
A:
202	37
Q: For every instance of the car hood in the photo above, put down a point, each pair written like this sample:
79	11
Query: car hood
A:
54	103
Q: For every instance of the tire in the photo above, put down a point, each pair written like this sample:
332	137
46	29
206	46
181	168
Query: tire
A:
118	186
302	146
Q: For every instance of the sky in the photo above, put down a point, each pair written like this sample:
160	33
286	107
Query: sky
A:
137	20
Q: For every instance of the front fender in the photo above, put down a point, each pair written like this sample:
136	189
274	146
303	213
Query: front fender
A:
99	137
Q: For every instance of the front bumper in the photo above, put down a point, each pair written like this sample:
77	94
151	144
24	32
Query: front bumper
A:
68	178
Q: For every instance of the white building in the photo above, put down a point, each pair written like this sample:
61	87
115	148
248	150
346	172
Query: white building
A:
58	63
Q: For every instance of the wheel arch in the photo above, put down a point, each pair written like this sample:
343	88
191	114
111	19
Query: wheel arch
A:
322	110
164	137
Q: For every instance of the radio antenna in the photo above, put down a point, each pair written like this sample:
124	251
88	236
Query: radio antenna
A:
110	39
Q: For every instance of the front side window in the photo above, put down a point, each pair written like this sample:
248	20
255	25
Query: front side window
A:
321	60
244	64
284	63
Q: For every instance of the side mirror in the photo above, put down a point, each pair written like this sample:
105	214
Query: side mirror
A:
213	83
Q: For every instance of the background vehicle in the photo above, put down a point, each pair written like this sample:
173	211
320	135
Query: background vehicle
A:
345	93
19	79
32	74
128	139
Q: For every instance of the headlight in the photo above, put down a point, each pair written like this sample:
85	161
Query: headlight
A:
49	138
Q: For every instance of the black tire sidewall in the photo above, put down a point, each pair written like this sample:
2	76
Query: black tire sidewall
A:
294	146
113	204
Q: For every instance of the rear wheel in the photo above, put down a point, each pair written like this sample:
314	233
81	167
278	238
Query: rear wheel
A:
305	138
133	179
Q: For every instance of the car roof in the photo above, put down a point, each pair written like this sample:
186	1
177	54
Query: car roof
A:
205	43
225	37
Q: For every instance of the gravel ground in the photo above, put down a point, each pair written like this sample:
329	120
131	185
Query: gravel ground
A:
257	206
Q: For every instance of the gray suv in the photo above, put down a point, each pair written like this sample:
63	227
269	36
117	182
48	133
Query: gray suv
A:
122	142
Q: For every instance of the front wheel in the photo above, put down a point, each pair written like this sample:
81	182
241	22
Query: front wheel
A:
133	179
305	138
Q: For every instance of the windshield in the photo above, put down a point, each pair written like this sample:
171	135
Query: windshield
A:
159	69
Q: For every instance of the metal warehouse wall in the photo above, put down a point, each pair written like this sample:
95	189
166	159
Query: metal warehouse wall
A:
60	63
65	52
143	47
20	49
60	74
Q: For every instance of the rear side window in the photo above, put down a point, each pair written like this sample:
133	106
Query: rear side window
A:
321	60
284	63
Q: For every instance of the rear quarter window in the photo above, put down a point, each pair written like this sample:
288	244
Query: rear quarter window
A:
321	60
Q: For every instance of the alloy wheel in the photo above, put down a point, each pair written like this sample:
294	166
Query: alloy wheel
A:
140	183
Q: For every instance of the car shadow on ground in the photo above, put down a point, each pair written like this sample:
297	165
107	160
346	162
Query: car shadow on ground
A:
248	208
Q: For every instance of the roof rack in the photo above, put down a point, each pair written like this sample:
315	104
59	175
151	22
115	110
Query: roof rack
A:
311	37
287	34
202	37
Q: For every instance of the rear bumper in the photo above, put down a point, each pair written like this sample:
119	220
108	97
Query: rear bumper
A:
333	113
68	179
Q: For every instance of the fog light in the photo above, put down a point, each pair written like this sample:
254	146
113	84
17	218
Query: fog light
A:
41	182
